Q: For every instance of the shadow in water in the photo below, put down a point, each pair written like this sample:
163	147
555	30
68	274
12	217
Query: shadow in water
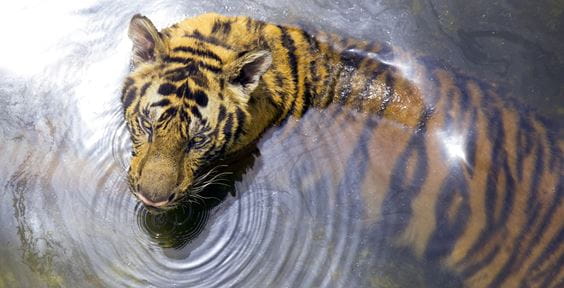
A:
176	227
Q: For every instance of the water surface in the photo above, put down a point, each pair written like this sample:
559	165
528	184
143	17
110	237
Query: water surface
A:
295	217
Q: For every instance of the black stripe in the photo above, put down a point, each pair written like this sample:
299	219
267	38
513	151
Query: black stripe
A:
333	78
208	67
278	109
329	81
221	26
552	130
290	46
161	103
307	98
128	99
200	64
144	111
190	70
176	77
462	83
221	113
166	89
196	112
280	80
227	129
182	90
199	96
533	203
126	86
309	93
185	122
471	145
476	267
165	117
170	59
183	116
242	53
208	39
167	114
201	81
198	52
313	43
444	237
240	122
524	140
249	24
181	73
144	89
259	27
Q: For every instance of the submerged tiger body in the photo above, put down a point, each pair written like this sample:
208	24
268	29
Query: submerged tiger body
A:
478	173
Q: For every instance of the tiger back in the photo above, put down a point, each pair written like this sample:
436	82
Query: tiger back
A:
470	169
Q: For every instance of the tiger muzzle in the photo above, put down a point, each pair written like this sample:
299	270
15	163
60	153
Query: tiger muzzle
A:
158	182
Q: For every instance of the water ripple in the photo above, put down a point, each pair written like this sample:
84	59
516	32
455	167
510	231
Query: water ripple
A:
298	217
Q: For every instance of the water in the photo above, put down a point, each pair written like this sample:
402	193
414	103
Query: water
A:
294	217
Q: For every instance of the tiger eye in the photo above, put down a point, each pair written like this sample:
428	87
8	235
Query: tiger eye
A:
197	141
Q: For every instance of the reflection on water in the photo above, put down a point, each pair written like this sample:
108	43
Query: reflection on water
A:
298	214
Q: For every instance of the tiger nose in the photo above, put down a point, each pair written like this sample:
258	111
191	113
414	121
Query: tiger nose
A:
157	185
157	194
153	203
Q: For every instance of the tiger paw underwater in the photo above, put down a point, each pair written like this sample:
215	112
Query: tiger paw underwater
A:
476	176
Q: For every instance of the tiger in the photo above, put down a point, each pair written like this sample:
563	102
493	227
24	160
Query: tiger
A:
207	88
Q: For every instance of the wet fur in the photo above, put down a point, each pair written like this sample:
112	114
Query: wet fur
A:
501	221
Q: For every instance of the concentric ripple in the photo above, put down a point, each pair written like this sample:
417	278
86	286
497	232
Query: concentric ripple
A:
303	213
291	223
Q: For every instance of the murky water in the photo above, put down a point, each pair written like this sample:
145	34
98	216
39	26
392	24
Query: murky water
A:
295	217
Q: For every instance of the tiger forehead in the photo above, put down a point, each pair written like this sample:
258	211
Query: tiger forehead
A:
160	99
183	94
172	70
176	82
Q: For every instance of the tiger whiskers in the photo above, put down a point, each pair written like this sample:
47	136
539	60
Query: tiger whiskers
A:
215	180
207	174
211	177
202	198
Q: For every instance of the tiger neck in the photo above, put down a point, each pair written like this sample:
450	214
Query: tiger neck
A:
319	71
323	70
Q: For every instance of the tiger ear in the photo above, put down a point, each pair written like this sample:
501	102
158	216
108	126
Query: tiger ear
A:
147	42
245	71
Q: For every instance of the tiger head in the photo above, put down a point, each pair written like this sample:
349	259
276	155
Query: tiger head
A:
190	99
